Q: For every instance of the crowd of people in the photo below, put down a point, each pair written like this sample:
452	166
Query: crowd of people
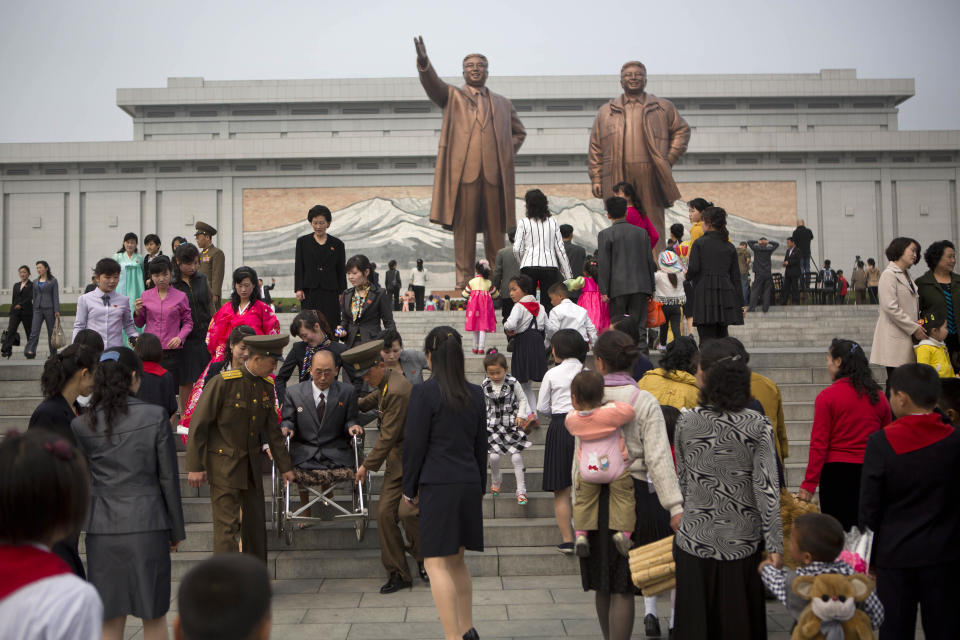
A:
694	448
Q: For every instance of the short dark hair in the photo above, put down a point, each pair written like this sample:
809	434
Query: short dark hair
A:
44	487
389	336
238	334
392	264
617	350
628	190
511	234
568	343
566	230
676	230
628	325
700	204
23	266
919	381
148	348
950	394
681	355
159	265
186	252
726	376
89	338
871	262
557	289
537	205
63	365
319	210
359	262
309	318
826	264
151	237
897	247
587	387
524	282
494	358
106	267
671	415
820	535
616	207
240	274
226	596
935	252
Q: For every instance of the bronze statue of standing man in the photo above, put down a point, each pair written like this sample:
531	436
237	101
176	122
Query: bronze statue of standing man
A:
637	137
473	187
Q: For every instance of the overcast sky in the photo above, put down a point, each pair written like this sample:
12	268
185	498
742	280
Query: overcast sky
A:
61	62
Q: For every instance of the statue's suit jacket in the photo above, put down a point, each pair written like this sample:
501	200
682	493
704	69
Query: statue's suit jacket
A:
459	115
315	445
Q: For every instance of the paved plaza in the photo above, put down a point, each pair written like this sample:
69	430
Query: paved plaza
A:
526	607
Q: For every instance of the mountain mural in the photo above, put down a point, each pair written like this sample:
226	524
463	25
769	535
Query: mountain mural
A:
399	229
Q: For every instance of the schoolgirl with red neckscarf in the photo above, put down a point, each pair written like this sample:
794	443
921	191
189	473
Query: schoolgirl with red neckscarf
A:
526	324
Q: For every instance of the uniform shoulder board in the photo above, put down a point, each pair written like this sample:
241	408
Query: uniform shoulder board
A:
269	379
231	374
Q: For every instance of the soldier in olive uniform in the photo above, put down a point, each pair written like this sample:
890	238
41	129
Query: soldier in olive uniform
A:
211	262
224	446
391	397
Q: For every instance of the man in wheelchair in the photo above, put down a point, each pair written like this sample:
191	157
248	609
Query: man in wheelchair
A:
320	418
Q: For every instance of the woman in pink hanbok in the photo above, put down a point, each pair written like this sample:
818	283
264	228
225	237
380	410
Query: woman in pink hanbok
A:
245	307
481	319
597	309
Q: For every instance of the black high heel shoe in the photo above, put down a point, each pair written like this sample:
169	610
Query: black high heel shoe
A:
471	635
423	573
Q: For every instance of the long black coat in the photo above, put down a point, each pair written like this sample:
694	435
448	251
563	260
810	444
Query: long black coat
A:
715	273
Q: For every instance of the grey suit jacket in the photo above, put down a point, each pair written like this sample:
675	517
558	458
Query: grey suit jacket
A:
134	482
505	268
625	261
47	297
316	445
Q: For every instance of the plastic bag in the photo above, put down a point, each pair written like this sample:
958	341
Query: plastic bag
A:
857	547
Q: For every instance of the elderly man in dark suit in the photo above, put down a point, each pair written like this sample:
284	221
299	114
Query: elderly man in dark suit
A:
505	268
626	265
576	255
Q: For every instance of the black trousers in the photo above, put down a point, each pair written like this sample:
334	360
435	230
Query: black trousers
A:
543	278
673	315
840	492
872	292
762	286
395	296
933	588
711	331
18	317
635	306
418	295
791	290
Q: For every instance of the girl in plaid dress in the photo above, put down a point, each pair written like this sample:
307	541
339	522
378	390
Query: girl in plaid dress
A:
508	415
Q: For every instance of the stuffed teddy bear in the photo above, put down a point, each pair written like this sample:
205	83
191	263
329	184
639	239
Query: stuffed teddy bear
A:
832	613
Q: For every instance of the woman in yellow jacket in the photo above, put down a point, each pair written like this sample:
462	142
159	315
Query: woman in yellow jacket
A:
673	383
933	351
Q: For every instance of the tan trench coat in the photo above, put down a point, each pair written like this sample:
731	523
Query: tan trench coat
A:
899	312
459	114
666	136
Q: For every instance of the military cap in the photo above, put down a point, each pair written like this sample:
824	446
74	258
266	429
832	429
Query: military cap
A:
203	227
266	345
363	357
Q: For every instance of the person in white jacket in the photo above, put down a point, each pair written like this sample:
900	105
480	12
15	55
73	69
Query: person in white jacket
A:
567	315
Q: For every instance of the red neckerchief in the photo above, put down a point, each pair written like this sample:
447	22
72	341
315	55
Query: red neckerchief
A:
154	368
24	565
910	433
532	307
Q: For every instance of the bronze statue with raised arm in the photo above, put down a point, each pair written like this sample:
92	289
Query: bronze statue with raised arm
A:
473	187
637	138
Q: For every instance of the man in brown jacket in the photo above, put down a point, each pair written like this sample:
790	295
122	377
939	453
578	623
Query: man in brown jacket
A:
637	138
473	187
224	446
211	263
390	397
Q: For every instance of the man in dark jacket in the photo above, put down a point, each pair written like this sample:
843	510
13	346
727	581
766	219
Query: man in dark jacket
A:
792	272
626	265
762	274
576	256
802	237
506	268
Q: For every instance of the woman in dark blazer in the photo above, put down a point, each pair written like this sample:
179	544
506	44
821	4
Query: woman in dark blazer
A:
939	290
445	468
135	516
66	376
714	272
21	312
46	307
364	306
319	274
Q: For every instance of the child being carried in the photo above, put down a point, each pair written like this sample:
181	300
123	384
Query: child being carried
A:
602	459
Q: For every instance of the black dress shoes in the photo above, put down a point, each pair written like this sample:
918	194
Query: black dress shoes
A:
471	635
423	573
395	583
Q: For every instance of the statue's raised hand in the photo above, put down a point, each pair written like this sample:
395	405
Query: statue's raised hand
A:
421	51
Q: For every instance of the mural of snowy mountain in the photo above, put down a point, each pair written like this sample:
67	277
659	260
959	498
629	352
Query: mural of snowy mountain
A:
399	229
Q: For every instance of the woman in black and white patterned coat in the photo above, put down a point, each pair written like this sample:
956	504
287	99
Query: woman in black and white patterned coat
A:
731	504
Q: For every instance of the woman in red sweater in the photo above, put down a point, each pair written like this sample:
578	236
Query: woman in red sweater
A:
845	414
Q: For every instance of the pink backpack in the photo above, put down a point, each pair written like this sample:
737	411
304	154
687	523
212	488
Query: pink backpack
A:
601	460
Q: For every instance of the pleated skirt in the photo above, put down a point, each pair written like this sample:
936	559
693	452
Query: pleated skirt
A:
557	455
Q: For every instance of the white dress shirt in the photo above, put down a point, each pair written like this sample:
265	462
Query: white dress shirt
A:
61	606
419	278
555	388
538	243
520	319
108	318
568	315
318	392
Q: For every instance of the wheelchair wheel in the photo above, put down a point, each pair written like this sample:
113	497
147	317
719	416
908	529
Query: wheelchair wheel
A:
279	509
362	513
